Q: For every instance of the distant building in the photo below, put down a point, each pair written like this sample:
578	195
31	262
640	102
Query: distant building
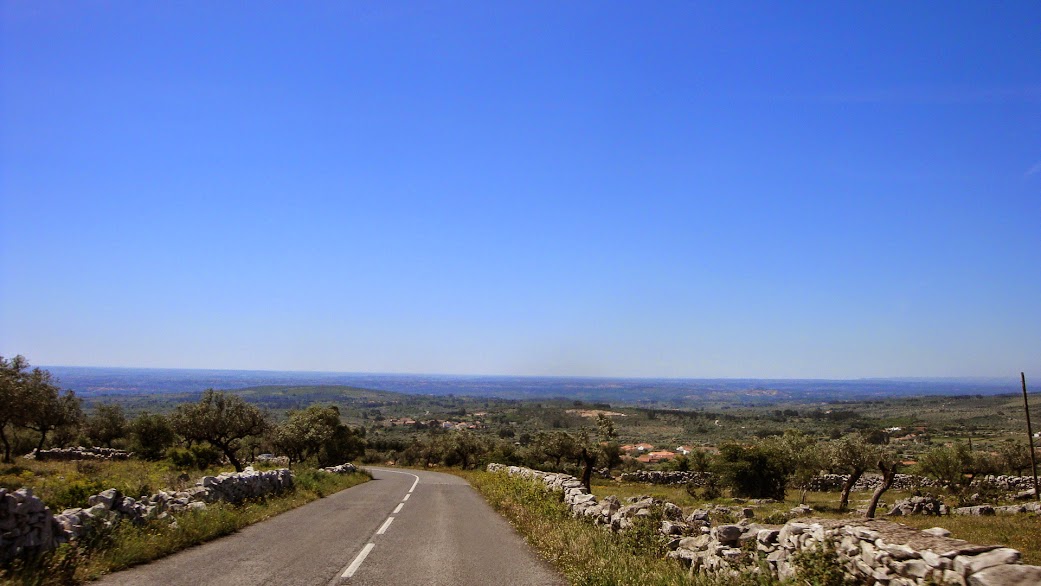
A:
655	457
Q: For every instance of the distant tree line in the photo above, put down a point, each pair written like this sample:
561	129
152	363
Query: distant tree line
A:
35	413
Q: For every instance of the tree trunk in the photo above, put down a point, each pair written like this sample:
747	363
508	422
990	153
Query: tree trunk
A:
888	475
587	473
43	437
230	453
7	446
847	487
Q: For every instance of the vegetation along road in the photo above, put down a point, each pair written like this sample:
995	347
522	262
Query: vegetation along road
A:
404	527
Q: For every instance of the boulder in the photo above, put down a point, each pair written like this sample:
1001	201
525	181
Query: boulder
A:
1007	575
966	565
727	533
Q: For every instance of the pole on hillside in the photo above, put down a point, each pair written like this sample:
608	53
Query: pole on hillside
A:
1030	436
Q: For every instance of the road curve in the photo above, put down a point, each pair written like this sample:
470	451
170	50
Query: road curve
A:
403	527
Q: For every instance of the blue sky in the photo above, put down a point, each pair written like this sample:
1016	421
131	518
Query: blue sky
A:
826	190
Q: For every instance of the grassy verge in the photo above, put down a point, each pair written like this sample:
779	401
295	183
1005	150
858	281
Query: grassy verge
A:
585	554
127	545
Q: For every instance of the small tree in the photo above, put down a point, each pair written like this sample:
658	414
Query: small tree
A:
757	471
853	456
153	435
13	398
318	432
221	419
1015	456
557	446
106	423
954	464
46	408
804	459
601	448
888	463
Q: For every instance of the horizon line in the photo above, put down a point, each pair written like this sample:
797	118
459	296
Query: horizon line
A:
551	376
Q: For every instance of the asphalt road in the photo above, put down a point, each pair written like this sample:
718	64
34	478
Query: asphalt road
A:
403	527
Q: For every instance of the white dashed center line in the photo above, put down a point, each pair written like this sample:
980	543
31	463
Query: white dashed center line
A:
351	569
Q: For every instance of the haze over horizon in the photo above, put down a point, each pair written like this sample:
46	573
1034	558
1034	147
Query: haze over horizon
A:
690	191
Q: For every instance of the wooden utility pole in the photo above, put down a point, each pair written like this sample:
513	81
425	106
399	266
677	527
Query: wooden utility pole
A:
1030	436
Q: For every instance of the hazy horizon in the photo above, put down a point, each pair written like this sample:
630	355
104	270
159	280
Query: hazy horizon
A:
535	376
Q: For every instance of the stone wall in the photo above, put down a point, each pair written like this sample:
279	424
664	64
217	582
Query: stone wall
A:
341	469
870	551
111	506
78	453
831	482
28	527
666	477
869	482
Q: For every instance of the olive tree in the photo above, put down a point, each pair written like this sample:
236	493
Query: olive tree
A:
106	423
221	419
31	400
153	434
48	408
757	470
804	459
601	447
853	456
318	432
13	397
888	463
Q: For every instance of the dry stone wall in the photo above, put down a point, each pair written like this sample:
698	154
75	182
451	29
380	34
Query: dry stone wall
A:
666	477
78	453
28	527
341	469
830	482
870	551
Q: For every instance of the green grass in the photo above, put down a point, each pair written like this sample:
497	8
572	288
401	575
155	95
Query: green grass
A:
62	485
127	545
1016	531
585	554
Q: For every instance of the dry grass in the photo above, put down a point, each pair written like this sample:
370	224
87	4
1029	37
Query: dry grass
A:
585	554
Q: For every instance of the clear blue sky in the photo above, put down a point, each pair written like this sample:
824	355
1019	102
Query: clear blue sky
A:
784	189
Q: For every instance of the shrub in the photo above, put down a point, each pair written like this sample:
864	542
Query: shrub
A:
75	494
756	471
644	537
199	456
820	567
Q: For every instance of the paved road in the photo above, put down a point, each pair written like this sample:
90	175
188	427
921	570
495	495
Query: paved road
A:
441	532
